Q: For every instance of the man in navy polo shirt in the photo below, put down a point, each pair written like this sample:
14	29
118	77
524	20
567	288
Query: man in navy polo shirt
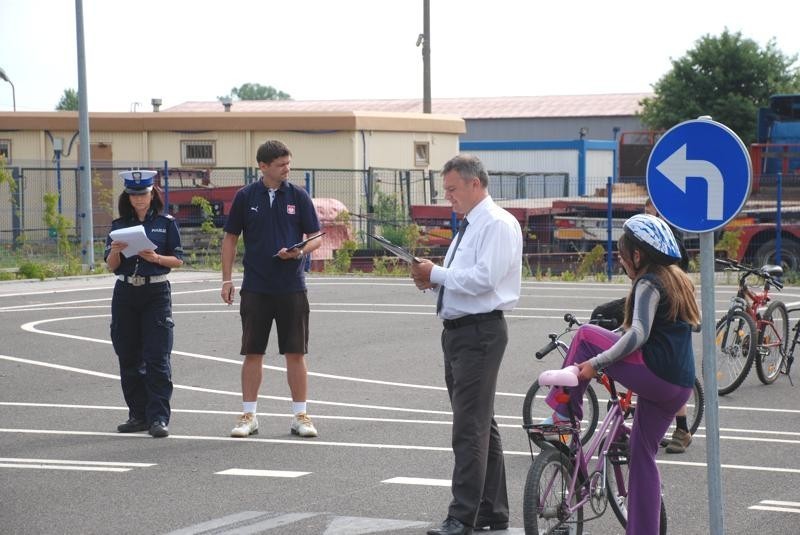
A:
273	214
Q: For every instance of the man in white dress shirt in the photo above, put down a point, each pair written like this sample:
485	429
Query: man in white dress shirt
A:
480	279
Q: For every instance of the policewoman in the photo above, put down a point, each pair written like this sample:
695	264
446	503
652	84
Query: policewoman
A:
141	309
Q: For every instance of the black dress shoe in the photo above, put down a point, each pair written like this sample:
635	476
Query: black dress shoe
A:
451	526
492	525
158	430
133	425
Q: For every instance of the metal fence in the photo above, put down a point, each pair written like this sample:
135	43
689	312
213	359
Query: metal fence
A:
23	210
379	199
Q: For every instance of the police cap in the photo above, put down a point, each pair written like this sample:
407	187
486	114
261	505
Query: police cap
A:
138	182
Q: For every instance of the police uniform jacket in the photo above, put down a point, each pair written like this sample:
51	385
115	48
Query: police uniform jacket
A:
161	229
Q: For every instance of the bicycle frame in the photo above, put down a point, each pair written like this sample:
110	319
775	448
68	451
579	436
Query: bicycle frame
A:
753	301
580	489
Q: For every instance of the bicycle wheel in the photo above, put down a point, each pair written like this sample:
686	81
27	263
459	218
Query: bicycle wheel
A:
772	342
736	348
546	497
534	411
617	485
696	406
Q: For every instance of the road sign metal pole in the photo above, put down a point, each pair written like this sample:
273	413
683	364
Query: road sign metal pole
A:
609	230
778	208
699	177
715	508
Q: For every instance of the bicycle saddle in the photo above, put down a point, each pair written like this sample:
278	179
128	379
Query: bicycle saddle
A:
564	377
775	271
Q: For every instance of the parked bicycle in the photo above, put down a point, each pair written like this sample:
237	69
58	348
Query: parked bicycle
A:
786	366
565	478
533	412
746	334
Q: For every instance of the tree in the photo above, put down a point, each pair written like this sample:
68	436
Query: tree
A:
727	77
69	101
257	92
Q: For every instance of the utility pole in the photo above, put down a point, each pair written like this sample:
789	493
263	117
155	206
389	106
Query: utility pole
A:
87	222
426	56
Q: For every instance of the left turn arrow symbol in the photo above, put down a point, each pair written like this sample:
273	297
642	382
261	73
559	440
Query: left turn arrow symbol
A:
677	168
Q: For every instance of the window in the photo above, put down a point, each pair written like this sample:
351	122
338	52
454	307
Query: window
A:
421	153
198	152
5	149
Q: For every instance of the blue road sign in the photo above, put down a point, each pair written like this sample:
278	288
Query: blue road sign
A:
699	175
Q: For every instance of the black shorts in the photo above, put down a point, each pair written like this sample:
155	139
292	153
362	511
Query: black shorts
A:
290	312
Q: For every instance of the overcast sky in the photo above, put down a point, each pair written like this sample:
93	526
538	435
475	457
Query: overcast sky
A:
184	50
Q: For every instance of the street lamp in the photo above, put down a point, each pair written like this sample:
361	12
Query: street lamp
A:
4	76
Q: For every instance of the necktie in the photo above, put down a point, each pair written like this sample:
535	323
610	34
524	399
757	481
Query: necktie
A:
461	230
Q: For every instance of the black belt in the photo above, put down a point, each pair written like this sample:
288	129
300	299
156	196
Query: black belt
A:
471	319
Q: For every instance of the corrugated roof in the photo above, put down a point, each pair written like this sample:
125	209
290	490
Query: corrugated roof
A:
618	104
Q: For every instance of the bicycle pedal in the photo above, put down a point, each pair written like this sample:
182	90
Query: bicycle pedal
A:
618	453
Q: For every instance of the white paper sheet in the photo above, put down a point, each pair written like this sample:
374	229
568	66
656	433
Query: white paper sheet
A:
135	237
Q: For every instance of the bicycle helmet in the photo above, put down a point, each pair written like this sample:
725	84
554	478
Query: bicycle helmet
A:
655	237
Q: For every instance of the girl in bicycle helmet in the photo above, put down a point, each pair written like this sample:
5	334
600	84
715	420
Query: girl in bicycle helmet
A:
653	356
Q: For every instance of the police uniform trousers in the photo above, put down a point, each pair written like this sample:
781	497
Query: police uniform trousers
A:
472	357
142	335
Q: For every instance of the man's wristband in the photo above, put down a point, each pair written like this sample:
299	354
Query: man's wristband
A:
227	282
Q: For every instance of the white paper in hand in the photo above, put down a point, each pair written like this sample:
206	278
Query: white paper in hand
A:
135	237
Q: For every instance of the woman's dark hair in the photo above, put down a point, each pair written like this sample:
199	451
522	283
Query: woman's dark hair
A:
126	209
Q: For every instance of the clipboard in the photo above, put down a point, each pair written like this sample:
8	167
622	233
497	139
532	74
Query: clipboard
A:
400	252
301	243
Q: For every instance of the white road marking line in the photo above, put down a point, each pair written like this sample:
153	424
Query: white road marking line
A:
316	442
761	432
774	509
33	327
733	467
44	466
60	367
213	525
243	523
419	481
64	461
238	413
265	441
776	502
225	392
260	473
353	525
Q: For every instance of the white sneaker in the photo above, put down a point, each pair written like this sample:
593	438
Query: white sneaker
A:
246	425
302	426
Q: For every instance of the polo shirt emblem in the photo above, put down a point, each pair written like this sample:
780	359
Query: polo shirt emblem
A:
290	209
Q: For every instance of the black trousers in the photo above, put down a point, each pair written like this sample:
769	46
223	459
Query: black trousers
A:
141	332
472	357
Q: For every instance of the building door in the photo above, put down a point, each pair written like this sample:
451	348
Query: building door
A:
103	201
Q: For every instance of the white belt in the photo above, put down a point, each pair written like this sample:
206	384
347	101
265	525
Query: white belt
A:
141	280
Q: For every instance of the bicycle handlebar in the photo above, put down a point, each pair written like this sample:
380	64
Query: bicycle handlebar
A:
546	349
748	270
572	321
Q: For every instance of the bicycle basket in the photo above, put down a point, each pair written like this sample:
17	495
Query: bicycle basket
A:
558	432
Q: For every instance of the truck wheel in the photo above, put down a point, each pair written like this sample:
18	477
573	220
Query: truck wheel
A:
790	254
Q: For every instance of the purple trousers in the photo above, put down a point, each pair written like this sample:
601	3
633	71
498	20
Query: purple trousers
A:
656	405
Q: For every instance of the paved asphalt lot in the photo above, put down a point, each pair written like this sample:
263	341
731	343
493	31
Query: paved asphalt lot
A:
382	462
